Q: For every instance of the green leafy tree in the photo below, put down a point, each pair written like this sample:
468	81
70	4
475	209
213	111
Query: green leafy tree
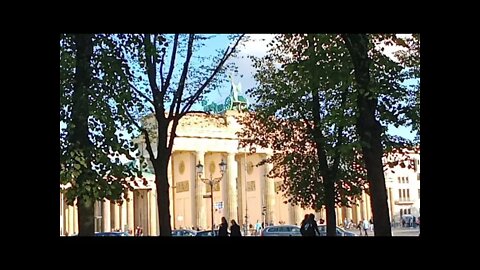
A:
170	75
92	89
301	114
410	61
311	78
378	78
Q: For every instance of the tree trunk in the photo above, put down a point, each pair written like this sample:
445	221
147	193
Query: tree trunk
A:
86	220
163	196
370	132
79	136
328	182
329	186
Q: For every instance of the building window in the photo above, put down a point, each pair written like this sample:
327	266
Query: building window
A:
418	176
415	166
404	194
418	193
399	179
406	179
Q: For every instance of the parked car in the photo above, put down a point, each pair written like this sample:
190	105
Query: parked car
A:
281	230
409	220
340	232
207	233
184	232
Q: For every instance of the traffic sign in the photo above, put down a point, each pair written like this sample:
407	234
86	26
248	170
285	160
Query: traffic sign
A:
219	205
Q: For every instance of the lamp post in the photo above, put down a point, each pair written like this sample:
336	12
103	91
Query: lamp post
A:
211	182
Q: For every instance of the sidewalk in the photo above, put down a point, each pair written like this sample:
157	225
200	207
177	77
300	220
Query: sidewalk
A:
400	231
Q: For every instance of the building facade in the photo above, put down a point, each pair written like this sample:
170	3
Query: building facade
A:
244	192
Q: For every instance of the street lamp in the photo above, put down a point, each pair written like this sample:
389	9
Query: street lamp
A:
211	181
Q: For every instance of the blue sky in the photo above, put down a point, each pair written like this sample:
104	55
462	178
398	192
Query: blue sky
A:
257	47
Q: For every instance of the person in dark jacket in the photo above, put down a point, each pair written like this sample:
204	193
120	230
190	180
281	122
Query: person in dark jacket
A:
303	223
311	227
235	229
223	230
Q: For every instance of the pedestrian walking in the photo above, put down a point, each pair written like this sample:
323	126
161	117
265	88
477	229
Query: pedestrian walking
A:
235	228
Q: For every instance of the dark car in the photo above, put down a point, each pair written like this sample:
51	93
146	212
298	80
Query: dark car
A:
184	232
207	233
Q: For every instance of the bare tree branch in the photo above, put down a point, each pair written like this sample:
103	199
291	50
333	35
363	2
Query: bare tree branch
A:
177	100
141	93
172	65
152	73
143	130
197	94
162	81
131	118
183	77
148	145
155	59
150	64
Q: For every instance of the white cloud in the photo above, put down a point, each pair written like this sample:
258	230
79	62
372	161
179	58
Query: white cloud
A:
257	44
389	50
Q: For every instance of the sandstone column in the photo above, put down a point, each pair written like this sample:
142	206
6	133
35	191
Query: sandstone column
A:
232	170
71	228
171	192
116	216
130	216
106	216
193	196
66	226
153	212
201	190
270	190
75	217
364	205
124	216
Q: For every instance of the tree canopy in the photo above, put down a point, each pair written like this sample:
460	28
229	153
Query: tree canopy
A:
307	83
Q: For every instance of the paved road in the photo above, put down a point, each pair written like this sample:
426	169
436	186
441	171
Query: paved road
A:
395	232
